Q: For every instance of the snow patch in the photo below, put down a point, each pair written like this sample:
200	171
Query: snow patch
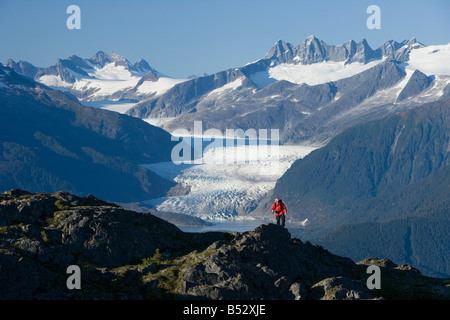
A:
54	81
158	122
401	84
431	60
305	222
159	87
116	106
229	86
262	79
109	79
317	73
111	72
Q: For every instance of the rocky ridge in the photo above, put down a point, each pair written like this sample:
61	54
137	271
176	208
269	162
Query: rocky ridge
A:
124	254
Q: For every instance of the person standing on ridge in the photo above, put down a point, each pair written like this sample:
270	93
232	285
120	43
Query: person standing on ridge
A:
280	211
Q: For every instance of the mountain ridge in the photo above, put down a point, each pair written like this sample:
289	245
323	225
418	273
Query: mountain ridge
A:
314	50
129	255
95	78
377	174
48	141
248	90
264	87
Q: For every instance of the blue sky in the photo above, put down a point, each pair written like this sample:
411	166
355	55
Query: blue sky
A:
185	37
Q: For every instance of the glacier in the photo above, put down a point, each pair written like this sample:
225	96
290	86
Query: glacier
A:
321	72
230	191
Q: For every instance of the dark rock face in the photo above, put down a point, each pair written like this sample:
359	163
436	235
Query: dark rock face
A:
313	50
49	142
340	288
416	84
259	264
124	254
304	113
42	234
100	232
268	264
370	178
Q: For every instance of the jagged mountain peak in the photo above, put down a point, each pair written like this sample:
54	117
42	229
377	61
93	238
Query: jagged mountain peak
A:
92	72
102	58
118	59
143	63
9	78
143	66
279	42
99	58
74	58
115	57
281	50
22	67
314	50
311	38
365	43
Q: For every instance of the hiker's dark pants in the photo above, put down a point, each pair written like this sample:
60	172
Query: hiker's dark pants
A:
281	218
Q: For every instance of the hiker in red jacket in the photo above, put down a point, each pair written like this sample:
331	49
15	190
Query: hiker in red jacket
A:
280	211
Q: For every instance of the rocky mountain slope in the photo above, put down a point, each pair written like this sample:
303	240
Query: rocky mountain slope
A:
380	174
310	92
50	142
420	239
369	160
128	255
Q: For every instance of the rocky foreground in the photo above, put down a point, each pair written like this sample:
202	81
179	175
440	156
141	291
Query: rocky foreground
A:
122	254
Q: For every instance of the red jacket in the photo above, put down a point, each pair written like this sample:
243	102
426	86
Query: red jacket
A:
279	208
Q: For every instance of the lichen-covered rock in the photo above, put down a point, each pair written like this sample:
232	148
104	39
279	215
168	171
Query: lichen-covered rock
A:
260	264
124	254
42	234
340	288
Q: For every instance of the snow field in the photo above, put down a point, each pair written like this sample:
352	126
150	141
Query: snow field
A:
110	79
431	60
229	86
318	73
117	106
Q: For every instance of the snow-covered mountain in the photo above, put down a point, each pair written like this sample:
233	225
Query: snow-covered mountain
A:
313	50
310	92
50	142
102	77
